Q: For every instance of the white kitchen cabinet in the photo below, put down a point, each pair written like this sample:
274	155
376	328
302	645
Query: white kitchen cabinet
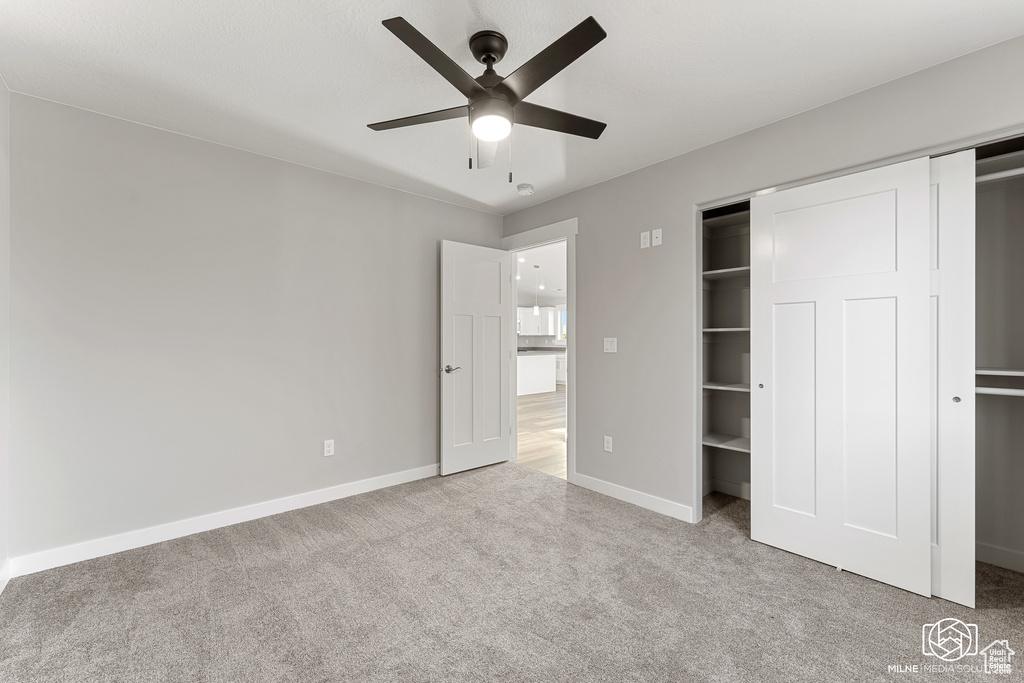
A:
561	369
529	324
542	325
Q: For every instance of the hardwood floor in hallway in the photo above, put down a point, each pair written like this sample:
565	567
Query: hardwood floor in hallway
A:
541	424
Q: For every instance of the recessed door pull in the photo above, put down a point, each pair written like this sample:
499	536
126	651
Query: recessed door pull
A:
449	369
956	399
760	386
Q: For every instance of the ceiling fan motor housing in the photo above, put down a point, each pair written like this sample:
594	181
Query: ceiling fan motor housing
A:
488	46
490	106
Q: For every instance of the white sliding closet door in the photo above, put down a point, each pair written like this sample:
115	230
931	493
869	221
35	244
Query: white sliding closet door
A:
840	373
953	320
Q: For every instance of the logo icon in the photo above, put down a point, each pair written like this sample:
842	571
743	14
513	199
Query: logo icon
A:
997	658
949	639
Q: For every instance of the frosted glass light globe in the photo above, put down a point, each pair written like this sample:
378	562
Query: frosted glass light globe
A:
492	128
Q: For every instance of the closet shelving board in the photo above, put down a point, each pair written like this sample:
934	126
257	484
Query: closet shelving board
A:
728	442
727	386
727	273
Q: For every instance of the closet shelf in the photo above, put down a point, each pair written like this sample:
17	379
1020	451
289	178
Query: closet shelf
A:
728	442
1000	175
727	386
999	391
999	372
727	329
727	273
728	220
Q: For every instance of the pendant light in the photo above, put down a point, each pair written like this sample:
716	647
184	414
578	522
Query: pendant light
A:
536	303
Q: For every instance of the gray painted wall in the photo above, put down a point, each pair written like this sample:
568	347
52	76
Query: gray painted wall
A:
644	395
5	313
190	322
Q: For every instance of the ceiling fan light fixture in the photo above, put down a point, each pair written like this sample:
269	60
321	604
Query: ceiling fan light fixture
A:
491	119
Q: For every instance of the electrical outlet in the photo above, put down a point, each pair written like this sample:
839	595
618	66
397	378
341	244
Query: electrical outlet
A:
645	239
328	447
656	238
608	444
611	345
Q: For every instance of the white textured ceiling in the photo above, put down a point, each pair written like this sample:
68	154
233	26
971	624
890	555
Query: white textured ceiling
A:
552	274
300	79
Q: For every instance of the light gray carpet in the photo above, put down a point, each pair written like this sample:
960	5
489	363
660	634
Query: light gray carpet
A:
500	574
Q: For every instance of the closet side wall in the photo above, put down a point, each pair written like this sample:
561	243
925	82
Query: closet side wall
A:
1000	344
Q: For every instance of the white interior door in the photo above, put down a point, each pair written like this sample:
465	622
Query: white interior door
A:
840	340
476	351
953	362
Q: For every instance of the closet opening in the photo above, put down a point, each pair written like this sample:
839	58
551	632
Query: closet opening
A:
999	426
725	358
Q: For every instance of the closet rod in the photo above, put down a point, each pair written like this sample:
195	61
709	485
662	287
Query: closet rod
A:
1000	175
999	391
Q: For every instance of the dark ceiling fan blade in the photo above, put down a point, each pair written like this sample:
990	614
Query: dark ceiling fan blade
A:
441	115
433	56
551	60
551	119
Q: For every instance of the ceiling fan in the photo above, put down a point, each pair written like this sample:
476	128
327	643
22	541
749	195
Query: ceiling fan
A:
496	102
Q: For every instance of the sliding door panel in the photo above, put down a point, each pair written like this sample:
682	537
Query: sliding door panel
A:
793	471
840	330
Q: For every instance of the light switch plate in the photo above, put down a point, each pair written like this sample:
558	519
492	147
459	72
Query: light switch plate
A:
645	239
611	345
656	238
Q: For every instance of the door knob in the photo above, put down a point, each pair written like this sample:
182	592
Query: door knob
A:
449	369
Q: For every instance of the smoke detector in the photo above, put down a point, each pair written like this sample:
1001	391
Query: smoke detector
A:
525	189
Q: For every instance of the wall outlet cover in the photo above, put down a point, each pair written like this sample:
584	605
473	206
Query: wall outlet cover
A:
645	239
328	447
611	345
608	444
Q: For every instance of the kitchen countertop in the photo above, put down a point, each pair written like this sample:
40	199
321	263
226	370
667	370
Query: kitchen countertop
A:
551	350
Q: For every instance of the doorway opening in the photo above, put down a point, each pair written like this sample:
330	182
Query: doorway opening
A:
542	332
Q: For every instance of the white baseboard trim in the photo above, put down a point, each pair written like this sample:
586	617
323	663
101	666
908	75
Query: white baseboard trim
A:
644	500
5	574
87	550
999	556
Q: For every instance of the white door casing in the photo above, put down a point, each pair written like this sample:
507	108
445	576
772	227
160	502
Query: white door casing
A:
476	334
953	194
840	406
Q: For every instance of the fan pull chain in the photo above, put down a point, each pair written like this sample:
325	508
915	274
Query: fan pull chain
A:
510	157
471	140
